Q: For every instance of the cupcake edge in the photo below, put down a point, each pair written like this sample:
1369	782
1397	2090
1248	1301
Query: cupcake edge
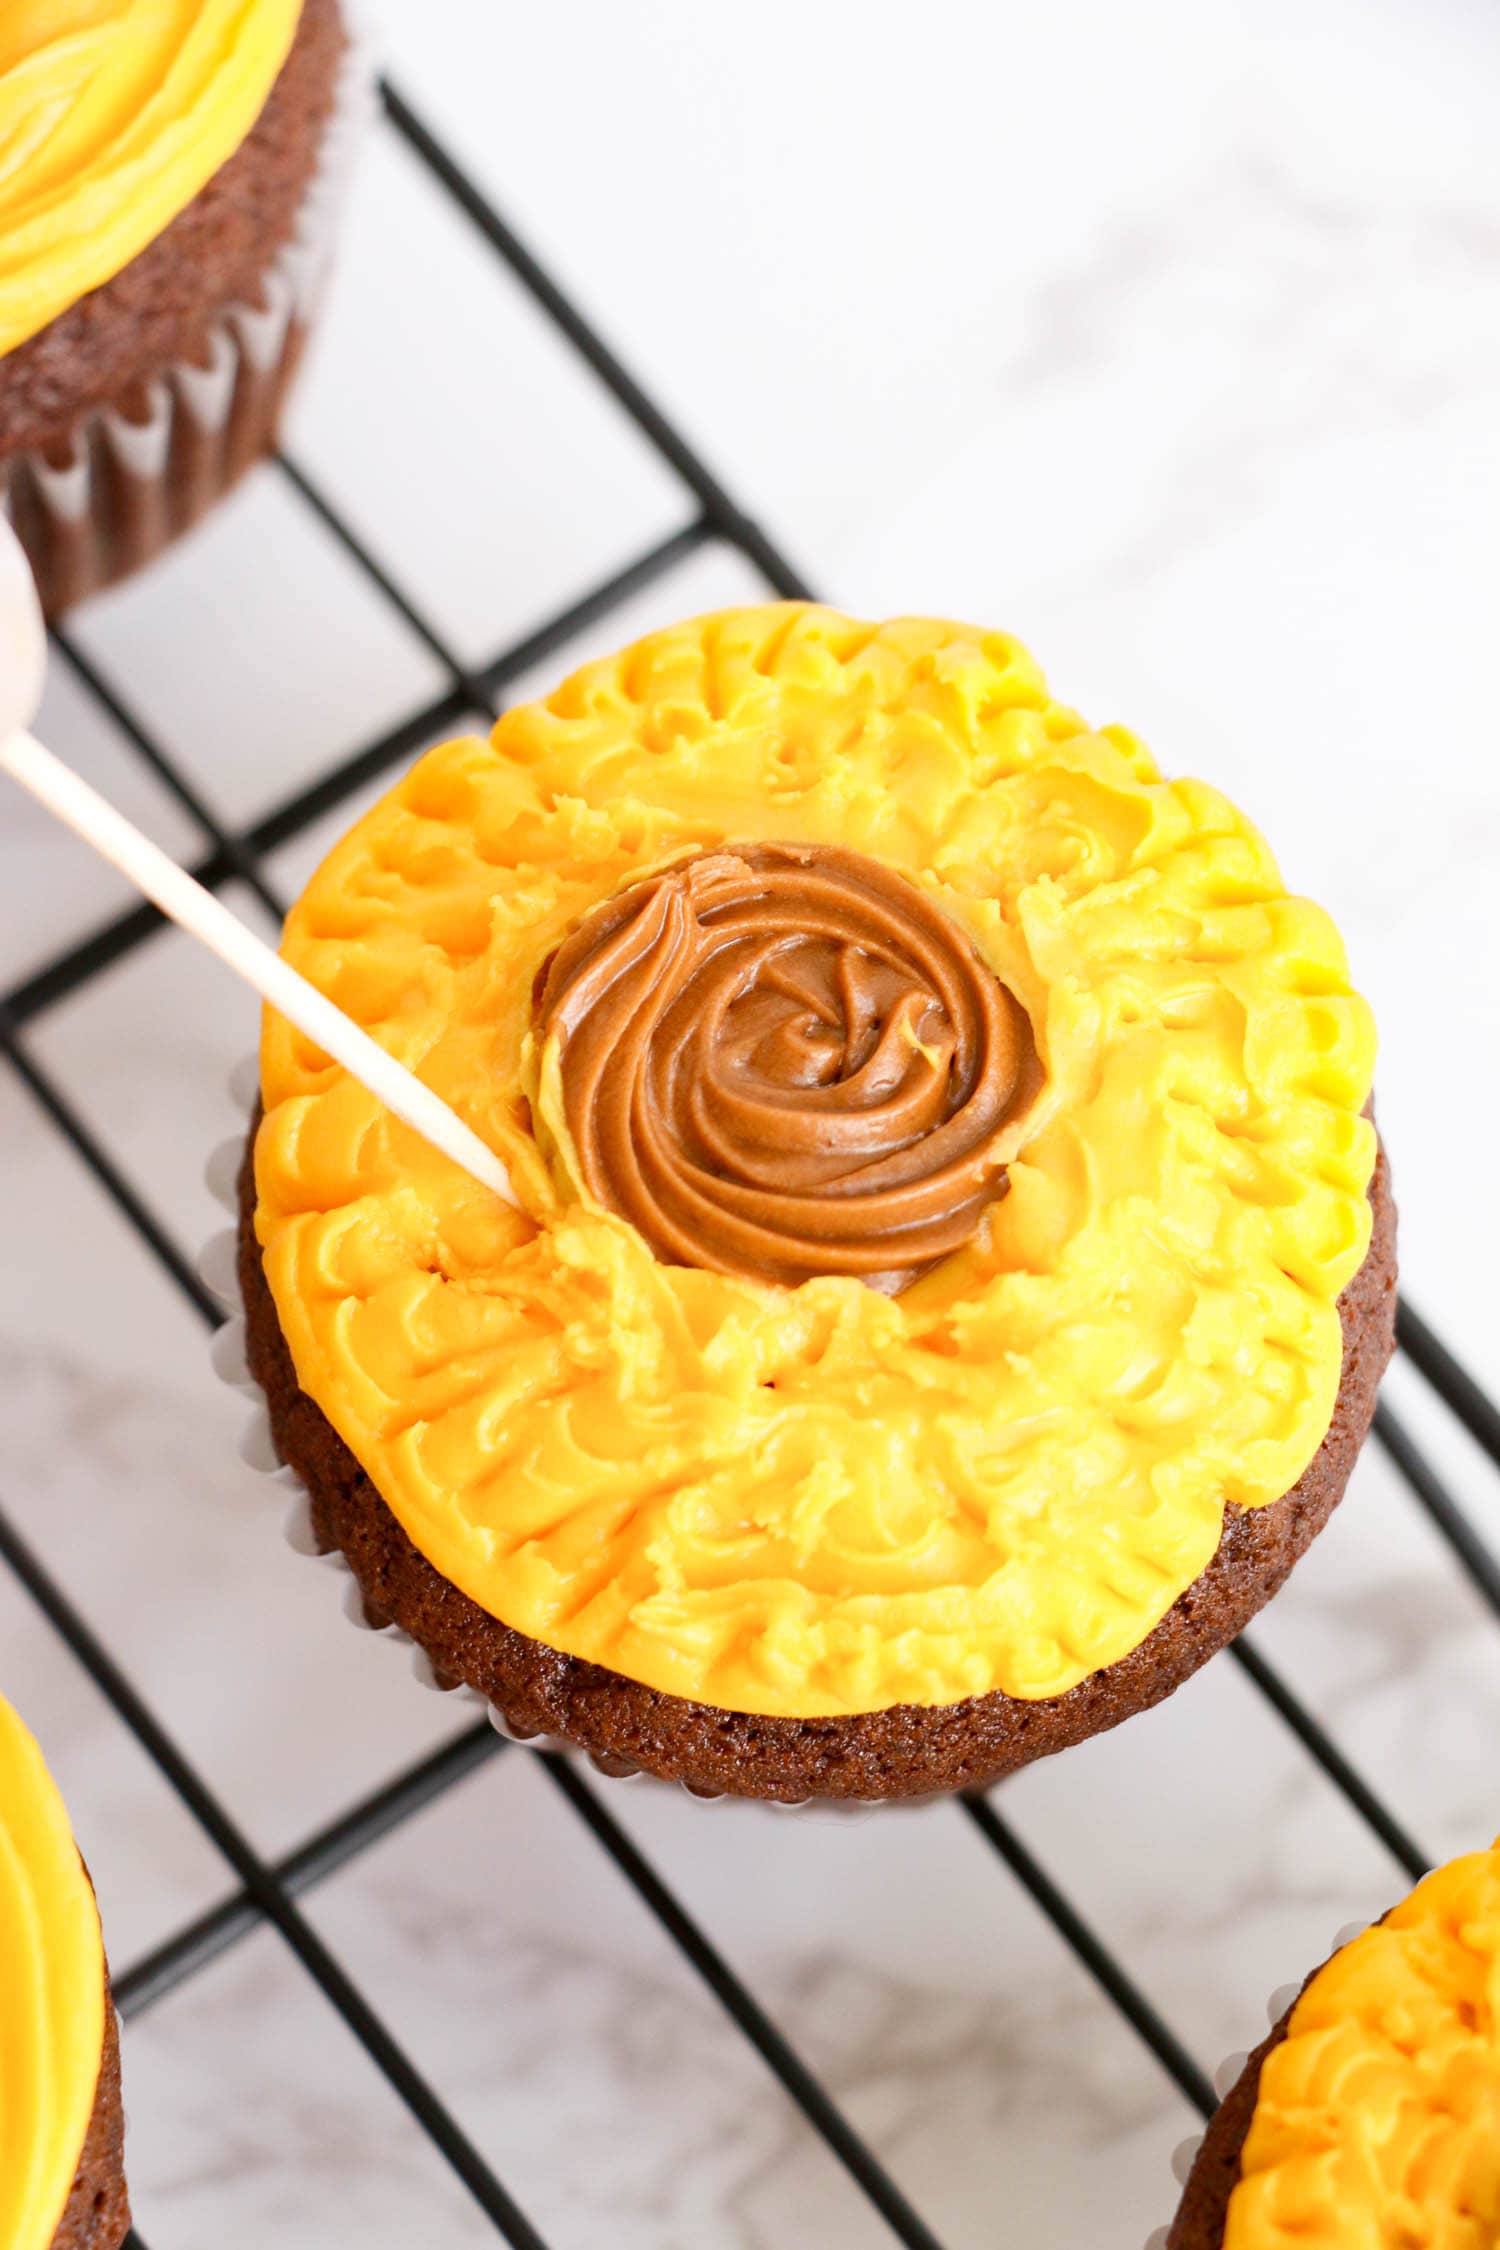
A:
905	1751
1213	2174
96	2215
1203	2211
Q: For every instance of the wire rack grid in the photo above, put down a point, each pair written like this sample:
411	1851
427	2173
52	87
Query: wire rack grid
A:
265	1894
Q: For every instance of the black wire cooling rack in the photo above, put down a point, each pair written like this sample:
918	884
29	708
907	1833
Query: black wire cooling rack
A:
267	1892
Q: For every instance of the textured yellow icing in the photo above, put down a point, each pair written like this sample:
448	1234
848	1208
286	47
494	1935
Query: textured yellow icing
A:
822	1500
1377	2125
51	1996
113	114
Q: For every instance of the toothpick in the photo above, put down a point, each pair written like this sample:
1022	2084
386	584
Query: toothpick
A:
206	918
23	663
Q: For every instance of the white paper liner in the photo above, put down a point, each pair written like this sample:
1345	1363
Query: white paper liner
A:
96	539
218	1269
1185	2154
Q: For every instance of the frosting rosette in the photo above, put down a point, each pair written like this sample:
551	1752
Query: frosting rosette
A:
781	1061
51	1996
1377	2117
803	1495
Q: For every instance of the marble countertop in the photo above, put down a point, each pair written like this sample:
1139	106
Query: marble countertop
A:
1168	338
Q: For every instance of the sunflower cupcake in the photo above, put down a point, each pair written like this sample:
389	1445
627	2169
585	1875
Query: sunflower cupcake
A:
62	2186
1370	2118
955	1261
167	175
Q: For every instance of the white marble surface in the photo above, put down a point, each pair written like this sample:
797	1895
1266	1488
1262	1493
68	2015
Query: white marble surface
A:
1169	337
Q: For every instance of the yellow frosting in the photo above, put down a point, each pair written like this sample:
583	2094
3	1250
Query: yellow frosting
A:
1377	2125
51	1996
819	1499
113	114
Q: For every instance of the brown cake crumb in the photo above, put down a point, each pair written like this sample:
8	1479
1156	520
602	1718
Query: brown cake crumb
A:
97	2213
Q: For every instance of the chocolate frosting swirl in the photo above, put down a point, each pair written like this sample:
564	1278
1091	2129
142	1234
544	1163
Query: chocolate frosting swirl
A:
782	1060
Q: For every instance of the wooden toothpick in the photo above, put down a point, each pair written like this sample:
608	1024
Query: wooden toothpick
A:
186	902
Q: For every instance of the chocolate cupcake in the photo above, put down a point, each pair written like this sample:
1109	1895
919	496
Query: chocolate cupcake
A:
166	201
1370	2114
62	2183
954	1261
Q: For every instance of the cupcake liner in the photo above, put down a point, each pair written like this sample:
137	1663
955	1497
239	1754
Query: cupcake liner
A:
218	1269
1185	2154
135	474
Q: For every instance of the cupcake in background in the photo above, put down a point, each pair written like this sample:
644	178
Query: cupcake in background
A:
1371	2115
168	171
62	2132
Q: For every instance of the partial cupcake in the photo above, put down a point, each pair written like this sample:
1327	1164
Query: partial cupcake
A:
62	2181
168	176
1371	2115
956	1262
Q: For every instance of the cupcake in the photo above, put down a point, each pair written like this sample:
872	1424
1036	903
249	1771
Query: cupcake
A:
954	1264
1371	2115
61	2128
167	169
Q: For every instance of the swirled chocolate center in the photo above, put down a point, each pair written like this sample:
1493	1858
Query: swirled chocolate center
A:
782	1060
